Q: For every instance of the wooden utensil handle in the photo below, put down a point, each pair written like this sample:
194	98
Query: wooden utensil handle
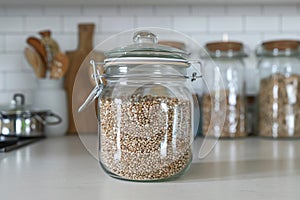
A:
35	61
86	32
37	45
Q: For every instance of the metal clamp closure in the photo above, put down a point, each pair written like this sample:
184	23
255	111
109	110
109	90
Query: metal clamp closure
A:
95	93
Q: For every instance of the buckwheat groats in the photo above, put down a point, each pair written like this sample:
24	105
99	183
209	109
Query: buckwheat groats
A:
144	138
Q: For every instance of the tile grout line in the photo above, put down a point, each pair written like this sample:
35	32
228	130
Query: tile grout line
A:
280	23
207	24
244	25
135	21
100	24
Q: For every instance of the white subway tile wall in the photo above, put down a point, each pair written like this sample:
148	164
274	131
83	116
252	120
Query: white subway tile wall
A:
116	24
66	41
15	42
11	25
263	24
2	41
172	11
190	24
271	36
62	10
163	22
2	11
225	24
100	11
208	10
19	81
35	24
290	23
280	10
23	10
11	62
249	24
136	11
244	10
70	23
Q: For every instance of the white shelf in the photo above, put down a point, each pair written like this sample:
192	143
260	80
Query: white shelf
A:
148	2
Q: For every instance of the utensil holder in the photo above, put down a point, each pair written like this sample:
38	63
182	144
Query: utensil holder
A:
51	95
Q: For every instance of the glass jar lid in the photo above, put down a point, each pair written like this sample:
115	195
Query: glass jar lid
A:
279	48
142	61
17	106
225	49
146	50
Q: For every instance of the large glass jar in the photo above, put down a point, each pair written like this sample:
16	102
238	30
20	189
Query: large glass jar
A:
145	111
279	90
227	60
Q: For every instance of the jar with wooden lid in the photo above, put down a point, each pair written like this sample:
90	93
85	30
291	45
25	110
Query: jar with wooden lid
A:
279	89
227	60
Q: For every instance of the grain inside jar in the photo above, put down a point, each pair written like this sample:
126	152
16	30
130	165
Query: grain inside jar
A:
144	138
234	124
279	106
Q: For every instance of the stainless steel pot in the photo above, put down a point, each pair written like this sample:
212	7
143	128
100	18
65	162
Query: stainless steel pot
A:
21	120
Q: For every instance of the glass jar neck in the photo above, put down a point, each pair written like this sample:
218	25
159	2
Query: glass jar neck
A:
227	54
229	62
129	71
228	59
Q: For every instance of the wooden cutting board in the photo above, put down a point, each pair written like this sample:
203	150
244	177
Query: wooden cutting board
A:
79	70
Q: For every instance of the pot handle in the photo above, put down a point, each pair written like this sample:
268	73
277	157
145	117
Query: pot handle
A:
49	114
21	97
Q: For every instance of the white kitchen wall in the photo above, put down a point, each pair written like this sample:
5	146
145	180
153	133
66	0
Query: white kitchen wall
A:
249	24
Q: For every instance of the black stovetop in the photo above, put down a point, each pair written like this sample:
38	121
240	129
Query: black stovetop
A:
9	143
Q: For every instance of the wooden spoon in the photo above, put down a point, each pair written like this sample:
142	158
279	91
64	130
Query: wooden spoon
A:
50	45
59	66
39	48
34	59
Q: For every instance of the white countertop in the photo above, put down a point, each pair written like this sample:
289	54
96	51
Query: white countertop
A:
61	168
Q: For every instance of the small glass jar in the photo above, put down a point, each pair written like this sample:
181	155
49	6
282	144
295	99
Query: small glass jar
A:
279	95
145	111
227	60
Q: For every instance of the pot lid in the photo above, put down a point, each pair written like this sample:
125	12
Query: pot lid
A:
145	49
17	106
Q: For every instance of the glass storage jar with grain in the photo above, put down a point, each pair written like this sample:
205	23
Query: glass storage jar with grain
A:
279	89
145	110
228	61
